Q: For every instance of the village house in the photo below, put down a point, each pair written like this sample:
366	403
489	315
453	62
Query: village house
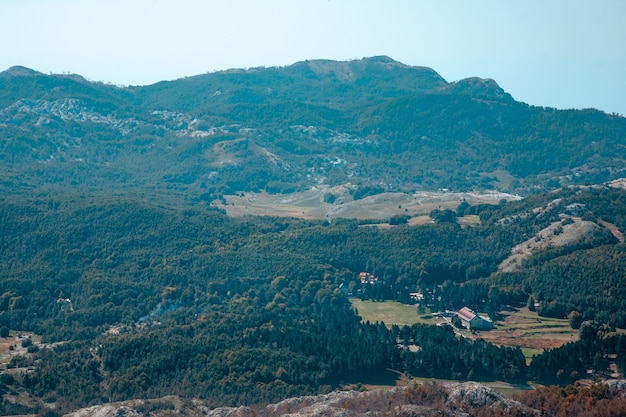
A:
472	321
367	277
417	297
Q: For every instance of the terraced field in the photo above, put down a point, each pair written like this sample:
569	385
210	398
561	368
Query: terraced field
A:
527	330
520	327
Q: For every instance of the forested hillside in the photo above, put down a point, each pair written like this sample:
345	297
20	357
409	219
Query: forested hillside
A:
371	123
116	252
150	300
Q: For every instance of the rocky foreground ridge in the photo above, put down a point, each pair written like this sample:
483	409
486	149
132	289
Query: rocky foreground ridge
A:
427	399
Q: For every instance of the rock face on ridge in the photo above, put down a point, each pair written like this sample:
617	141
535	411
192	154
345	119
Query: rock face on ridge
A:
426	399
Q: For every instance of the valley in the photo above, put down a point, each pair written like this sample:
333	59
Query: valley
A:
255	238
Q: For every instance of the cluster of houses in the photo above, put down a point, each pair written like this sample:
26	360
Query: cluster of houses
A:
366	277
467	317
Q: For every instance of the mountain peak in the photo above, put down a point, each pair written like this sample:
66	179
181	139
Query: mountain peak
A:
375	70
19	71
381	58
484	88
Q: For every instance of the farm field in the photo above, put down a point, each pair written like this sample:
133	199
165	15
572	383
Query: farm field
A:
521	327
532	333
390	313
393	312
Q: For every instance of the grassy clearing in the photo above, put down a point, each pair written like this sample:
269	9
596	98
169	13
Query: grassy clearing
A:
510	391
390	312
524	319
521	327
526	329
529	353
504	388
310	204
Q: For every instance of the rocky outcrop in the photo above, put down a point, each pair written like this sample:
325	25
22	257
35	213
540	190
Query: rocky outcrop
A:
426	399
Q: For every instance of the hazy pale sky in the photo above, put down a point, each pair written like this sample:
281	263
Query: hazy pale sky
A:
557	53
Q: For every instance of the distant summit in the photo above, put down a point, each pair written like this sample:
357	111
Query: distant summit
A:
485	88
369	125
19	71
317	82
377	69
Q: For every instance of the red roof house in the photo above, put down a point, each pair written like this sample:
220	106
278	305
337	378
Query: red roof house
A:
472	321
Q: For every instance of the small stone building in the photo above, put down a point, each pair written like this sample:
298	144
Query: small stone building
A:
472	321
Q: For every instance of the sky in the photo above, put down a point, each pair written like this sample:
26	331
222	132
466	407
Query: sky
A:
553	53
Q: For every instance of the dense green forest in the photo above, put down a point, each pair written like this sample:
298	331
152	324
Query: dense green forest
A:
148	299
113	251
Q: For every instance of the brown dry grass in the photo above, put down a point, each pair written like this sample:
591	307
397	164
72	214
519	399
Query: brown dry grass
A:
521	327
310	204
527	330
14	340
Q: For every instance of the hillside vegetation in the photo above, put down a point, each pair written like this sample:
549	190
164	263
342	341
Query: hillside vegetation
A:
127	273
375	123
152	300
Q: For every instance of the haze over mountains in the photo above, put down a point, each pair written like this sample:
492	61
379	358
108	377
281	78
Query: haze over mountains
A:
375	124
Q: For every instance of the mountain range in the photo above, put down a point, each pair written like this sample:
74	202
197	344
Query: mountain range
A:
375	124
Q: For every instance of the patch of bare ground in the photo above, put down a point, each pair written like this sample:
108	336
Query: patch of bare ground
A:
618	183
311	204
613	229
12	346
557	234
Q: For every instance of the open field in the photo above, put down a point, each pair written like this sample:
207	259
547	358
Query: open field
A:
527	330
393	312
389	312
521	327
391	378
310	204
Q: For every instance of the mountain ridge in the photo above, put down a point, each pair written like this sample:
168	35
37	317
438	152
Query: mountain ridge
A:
373	122
121	260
